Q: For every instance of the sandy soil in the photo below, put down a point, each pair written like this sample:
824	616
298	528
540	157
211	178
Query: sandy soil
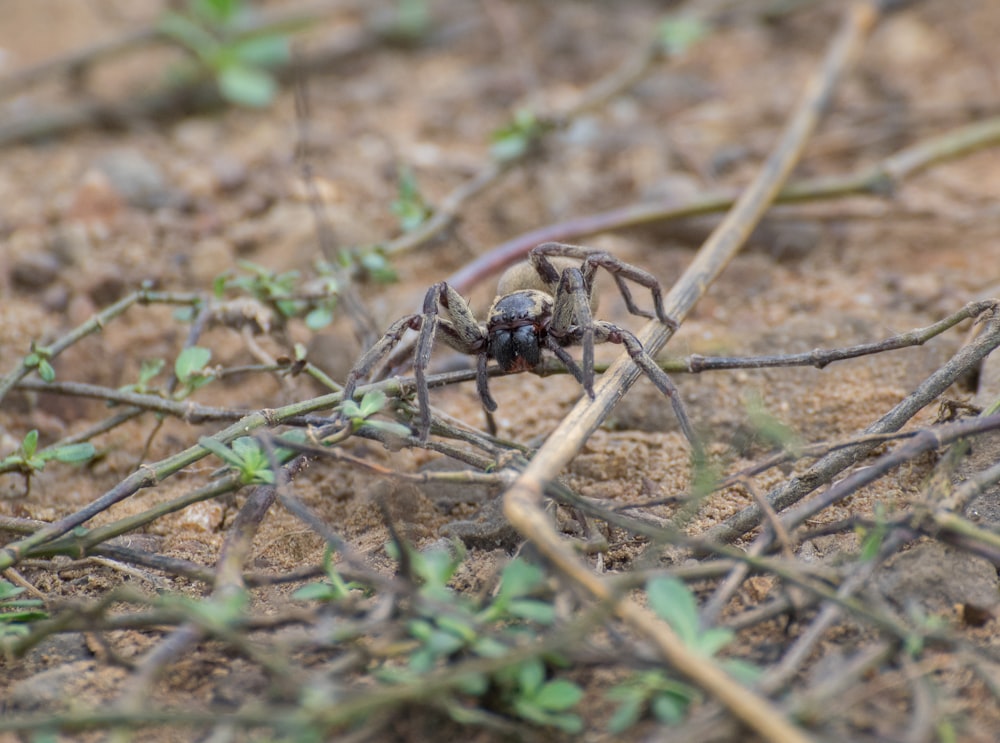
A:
87	217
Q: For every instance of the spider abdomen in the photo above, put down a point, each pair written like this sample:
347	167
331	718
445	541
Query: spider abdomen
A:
516	327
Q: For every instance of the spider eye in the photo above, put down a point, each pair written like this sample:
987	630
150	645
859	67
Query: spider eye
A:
516	349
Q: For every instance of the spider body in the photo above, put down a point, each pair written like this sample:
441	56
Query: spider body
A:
545	304
516	329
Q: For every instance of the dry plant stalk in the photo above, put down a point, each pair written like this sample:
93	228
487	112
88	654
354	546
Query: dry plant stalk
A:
522	502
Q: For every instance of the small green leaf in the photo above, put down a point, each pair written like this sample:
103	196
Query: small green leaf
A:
266	50
673	601
315	592
191	361
319	318
530	676
679	33
533	611
372	402
247	86
245	446
712	640
220	450
8	590
669	708
513	140
45	370
627	714
30	443
520	578
74	453
396	429
558	695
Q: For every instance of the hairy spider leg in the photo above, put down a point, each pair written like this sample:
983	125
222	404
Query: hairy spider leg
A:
378	352
460	330
618	269
573	321
610	333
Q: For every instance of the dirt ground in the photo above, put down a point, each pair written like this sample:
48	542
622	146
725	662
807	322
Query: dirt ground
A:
88	216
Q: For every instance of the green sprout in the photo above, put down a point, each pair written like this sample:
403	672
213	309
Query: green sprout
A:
16	614
149	370
360	414
38	358
249	458
28	459
513	140
656	691
409	205
333	589
214	31
191	370
314	302
447	625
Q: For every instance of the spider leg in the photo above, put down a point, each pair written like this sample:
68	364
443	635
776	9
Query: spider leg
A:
607	332
619	270
460	330
482	383
571	322
378	352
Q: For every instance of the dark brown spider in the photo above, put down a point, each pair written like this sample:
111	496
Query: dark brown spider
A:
543	304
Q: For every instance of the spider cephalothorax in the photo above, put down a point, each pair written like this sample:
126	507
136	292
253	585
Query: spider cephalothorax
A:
516	329
546	303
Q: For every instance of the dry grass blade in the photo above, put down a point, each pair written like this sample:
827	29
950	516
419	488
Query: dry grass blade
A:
522	501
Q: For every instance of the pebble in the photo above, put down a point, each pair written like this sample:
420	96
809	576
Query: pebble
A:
138	180
35	271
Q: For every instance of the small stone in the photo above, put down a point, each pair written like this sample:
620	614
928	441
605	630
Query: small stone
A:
138	180
35	271
937	578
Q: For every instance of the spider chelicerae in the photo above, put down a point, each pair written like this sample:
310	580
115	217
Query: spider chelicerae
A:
546	303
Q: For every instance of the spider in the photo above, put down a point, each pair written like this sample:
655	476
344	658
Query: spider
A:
546	303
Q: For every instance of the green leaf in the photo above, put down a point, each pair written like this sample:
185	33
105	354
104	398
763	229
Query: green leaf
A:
558	695
8	590
265	50
679	33
319	318
247	86
30	443
443	643
530	676
45	370
150	368
191	361
222	451
627	714
74	453
372	402
515	138
520	578
712	640
187	32
669	708
245	446
533	611
673	601
220	12
396	429
377	266
314	592
741	670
